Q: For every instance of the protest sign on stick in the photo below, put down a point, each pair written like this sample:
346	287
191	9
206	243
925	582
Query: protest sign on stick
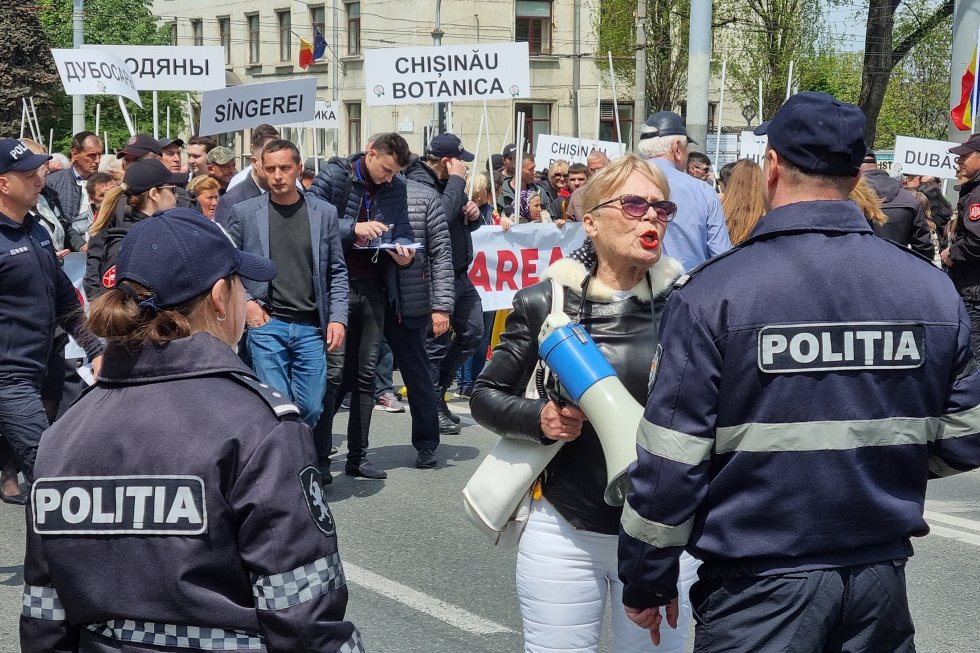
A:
95	72
552	148
446	73
249	105
920	156
171	68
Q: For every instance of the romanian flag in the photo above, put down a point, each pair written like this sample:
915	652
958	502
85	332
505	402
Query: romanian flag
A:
964	113
305	53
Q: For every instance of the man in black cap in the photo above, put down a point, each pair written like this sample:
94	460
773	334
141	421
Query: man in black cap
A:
35	297
786	440
170	149
442	168
698	232
509	160
962	257
906	223
139	147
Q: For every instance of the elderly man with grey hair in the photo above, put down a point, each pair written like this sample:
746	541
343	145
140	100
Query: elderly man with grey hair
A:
698	232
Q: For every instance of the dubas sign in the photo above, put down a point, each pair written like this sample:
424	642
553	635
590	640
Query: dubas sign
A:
574	150
505	262
243	107
171	68
92	72
446	74
919	156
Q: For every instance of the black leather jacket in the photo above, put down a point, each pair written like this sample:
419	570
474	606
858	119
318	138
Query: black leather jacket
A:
625	331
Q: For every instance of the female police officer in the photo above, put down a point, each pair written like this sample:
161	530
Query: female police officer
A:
178	503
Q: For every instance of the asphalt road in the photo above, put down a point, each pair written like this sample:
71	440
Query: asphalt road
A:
423	580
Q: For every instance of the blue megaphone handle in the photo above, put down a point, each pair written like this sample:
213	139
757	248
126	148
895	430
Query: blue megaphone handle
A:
575	359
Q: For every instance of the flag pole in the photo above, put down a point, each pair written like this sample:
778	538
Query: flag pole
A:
476	158
975	98
125	113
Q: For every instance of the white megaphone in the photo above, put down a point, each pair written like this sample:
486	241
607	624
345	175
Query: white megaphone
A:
591	383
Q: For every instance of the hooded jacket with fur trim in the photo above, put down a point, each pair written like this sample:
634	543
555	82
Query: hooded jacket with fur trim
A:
624	328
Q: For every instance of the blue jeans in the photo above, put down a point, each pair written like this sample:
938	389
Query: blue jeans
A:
290	357
22	420
470	370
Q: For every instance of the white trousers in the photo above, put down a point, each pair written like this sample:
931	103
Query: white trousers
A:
563	578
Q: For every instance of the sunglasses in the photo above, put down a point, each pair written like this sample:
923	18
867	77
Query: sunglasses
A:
559	175
636	207
170	187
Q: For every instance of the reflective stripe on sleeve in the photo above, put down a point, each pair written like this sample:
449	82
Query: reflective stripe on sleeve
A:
826	436
939	467
654	533
178	636
673	445
42	603
280	591
958	425
353	644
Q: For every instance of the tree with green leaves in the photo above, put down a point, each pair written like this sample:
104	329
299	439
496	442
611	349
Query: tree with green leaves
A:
26	68
110	22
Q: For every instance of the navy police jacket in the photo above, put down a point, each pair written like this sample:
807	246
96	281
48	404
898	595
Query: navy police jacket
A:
801	400
35	297
178	504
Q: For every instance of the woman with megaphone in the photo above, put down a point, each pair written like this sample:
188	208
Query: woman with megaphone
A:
567	555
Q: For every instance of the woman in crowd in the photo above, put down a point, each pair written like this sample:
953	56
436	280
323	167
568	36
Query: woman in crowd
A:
567	557
555	193
237	549
147	187
869	203
743	202
205	191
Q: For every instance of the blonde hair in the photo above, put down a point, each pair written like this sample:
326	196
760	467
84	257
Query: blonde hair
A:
558	166
481	183
107	211
610	179
33	146
202	183
744	202
868	202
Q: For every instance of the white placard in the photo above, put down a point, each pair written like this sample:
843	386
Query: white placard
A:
752	147
171	68
568	148
250	105
918	156
324	117
74	266
89	72
446	74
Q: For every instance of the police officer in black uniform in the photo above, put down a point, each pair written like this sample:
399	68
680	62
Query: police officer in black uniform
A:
178	505
962	257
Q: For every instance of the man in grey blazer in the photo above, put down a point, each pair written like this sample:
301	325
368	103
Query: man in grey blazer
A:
303	311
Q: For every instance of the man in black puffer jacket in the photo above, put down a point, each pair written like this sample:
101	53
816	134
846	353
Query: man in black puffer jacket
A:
442	168
906	223
371	202
425	295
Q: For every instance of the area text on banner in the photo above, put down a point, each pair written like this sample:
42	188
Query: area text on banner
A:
505	262
92	72
446	74
171	68
250	105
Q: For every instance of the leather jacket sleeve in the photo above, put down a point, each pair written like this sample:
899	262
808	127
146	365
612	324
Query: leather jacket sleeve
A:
498	402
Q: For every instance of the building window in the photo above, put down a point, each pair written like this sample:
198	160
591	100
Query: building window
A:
353	28
607	124
318	18
285	21
537	120
173	33
224	33
534	25
252	27
353	127
197	31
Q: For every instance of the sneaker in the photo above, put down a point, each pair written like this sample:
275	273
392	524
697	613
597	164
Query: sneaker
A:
426	459
463	392
388	401
366	469
447	426
345	404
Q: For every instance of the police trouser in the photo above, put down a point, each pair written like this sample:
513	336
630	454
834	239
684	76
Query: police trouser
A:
854	609
973	309
22	420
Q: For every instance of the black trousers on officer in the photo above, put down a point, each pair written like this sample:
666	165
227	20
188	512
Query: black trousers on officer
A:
973	309
852	609
451	349
406	337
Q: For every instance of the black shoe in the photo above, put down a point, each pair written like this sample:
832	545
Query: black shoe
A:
426	459
366	470
21	499
443	407
447	426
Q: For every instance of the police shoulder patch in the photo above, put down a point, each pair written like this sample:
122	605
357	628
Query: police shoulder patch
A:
278	402
974	212
309	480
